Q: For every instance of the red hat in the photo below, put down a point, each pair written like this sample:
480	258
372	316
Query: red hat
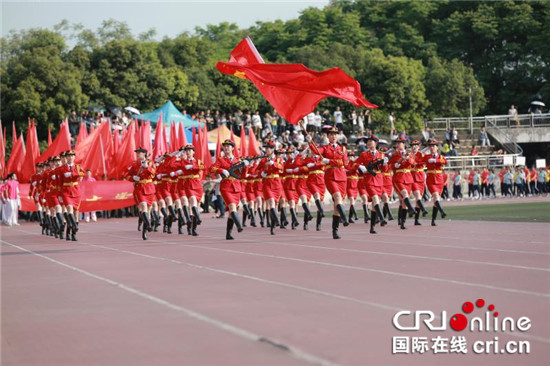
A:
372	137
415	142
269	144
140	150
401	139
290	150
433	142
330	129
383	149
189	147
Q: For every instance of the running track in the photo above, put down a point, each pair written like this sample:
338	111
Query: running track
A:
295	298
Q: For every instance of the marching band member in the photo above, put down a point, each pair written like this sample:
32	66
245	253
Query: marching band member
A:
435	180
401	163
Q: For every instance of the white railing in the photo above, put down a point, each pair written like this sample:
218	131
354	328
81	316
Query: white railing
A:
481	161
475	123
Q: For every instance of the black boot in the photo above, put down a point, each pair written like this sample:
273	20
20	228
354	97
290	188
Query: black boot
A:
320	207
403	219
196	214
252	217
335	224
267	215
61	224
388	211
366	217
194	227
169	221
273	218
146	225
186	214
55	225
438	205
172	212
294	219
342	212
245	215
68	233
410	207
72	221
416	216
434	215
156	219
420	204
143	226
319	219
350	215
261	216
307	213
236	221
283	221
181	221
379	216
229	229
399	214
373	222
140	221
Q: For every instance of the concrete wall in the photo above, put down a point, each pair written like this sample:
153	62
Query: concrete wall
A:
527	135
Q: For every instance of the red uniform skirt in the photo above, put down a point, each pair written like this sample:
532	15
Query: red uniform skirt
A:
165	188
290	189
52	198
418	181
193	188
258	188
249	190
143	197
417	186
336	186
302	188
158	193
362	187
435	182
273	188
230	191
71	200
352	187
316	184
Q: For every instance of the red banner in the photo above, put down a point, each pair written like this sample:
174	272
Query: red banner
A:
96	196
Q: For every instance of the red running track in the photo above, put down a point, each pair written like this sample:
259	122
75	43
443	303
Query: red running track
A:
296	298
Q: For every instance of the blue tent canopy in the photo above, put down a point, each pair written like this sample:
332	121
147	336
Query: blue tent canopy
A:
169	114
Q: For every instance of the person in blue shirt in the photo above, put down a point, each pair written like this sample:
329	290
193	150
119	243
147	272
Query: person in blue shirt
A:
508	178
541	181
491	184
475	185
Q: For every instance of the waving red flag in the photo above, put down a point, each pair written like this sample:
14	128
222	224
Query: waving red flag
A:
82	134
14	135
292	89
181	135
126	154
17	156
253	149
32	153
218	147
146	136
159	148
206	157
2	151
173	138
92	129
236	151
62	142
242	148
99	155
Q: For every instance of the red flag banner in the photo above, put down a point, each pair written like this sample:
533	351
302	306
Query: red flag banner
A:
62	142
253	146
292	89
96	196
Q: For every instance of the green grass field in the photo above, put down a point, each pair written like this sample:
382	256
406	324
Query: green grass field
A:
514	212
517	212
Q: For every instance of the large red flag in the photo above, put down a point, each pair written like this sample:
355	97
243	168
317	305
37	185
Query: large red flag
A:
218	146
159	148
126	155
82	134
146	136
292	89
32	153
138	133
99	155
92	129
253	146
181	135
49	136
243	150
206	157
113	169
195	138
62	142
173	138
17	156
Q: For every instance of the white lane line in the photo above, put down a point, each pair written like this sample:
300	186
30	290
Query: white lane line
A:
356	268
243	333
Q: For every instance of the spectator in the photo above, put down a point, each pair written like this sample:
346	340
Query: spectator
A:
368	118
513	113
391	120
454	136
87	215
446	149
281	124
491	184
223	120
457	185
338	119
342	139
425	135
238	118
309	121
217	119
326	118
507	183
353	120
475	185
73	123
361	123
541	181
317	122
484	137
10	200
257	123
474	151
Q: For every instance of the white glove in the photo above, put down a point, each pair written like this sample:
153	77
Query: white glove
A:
43	200
159	176
34	184
308	138
53	177
264	174
296	170
325	161
431	160
68	174
144	164
271	162
179	172
386	160
290	170
310	165
397	165
188	166
246	162
60	199
136	178
225	173
172	174
362	169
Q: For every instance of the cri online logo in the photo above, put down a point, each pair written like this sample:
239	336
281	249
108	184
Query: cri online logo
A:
459	322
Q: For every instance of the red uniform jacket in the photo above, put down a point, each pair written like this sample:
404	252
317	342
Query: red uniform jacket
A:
401	173
338	157
70	184
229	184
145	184
365	158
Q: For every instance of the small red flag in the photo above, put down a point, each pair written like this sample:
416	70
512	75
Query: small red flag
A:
253	149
